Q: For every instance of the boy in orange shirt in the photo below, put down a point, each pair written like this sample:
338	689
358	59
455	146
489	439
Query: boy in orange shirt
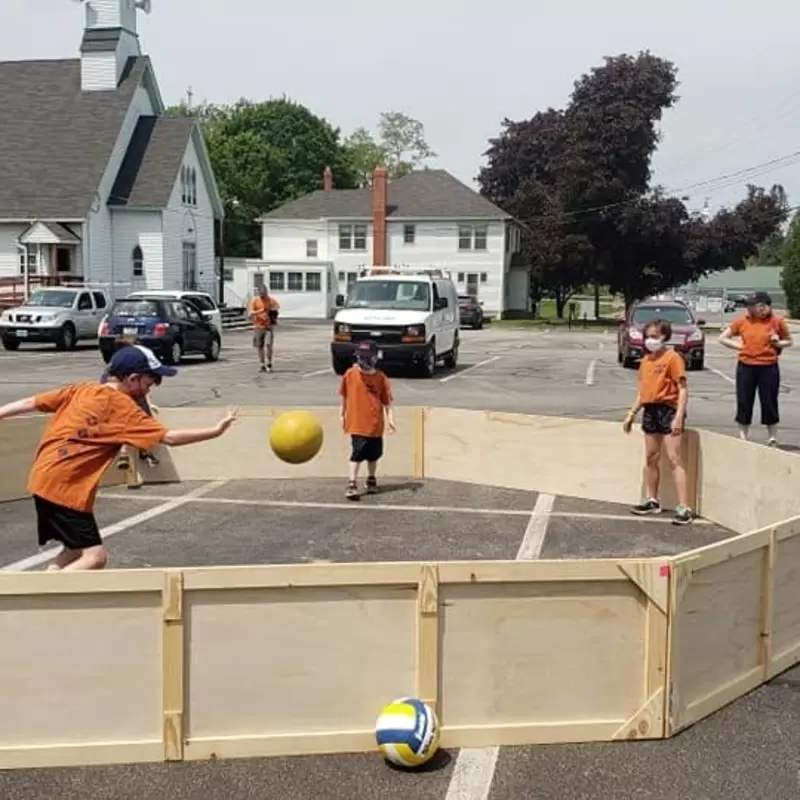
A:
663	396
366	396
90	422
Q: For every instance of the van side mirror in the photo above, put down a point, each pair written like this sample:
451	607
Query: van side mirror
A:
339	300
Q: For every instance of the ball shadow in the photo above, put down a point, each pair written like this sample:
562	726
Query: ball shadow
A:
439	762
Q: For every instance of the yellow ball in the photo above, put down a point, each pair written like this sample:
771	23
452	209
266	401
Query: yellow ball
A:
296	436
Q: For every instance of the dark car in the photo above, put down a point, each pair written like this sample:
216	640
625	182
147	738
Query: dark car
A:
688	339
170	328
470	311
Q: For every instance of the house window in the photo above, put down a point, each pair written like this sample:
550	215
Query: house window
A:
183	185
351	278
409	234
313	281
28	256
137	262
460	278
189	266
188	186
276	281
352	237
341	276
484	277
472	237
311	248
295	282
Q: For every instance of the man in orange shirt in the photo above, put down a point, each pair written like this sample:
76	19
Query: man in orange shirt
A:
663	395
762	336
366	396
263	311
90	422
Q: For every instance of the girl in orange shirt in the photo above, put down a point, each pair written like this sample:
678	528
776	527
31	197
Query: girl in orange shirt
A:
663	396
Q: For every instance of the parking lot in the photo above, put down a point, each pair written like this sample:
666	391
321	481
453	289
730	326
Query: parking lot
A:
748	750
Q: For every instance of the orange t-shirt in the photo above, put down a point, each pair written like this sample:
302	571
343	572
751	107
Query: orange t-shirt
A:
365	395
260	310
90	422
659	378
755	333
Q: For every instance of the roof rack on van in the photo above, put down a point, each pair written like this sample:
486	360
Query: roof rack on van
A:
433	272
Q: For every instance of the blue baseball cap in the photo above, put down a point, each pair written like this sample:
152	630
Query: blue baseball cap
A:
138	360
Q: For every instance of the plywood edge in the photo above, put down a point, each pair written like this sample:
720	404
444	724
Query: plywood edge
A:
172	666
81	754
428	620
786	659
787	529
647	722
418	437
716	553
109	581
652	577
530	733
540	570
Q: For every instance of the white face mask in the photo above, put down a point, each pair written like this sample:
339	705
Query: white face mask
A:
653	345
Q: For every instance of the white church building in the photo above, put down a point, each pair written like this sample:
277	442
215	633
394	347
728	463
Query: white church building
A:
98	186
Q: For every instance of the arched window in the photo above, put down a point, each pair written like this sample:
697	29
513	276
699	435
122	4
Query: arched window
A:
137	262
193	191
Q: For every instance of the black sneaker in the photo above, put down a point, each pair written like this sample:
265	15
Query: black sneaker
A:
150	460
351	493
372	486
647	507
263	368
682	516
269	367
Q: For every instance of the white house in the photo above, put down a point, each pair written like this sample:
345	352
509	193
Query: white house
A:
425	219
98	186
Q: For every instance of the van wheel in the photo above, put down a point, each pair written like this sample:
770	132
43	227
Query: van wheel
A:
451	359
428	367
340	366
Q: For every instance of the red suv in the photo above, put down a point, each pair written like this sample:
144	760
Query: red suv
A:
687	339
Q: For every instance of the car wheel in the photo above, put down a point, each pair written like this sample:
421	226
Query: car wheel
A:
428	367
212	353
340	366
175	353
10	344
627	361
698	363
451	360
478	323
619	356
66	337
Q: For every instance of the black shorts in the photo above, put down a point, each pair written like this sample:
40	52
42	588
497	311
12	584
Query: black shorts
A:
657	419
76	530
366	448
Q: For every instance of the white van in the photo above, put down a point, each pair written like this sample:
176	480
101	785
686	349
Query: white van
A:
411	315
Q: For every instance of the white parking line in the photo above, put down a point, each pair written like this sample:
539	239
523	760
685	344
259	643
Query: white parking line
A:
325	371
44	556
590	372
474	769
720	373
469	369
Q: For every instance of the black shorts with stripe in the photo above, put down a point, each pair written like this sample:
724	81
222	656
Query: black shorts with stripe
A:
76	530
366	448
657	419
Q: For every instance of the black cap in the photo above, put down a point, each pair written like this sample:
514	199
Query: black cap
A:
758	298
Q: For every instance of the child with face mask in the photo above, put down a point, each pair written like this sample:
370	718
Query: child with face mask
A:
366	397
663	396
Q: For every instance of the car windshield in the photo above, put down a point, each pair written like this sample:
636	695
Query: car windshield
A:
675	315
135	308
405	295
53	299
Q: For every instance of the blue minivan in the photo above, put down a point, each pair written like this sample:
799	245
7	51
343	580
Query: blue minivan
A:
170	328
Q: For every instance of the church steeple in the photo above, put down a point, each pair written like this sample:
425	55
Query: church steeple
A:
110	38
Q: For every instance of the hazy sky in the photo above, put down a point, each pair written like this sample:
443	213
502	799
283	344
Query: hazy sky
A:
461	66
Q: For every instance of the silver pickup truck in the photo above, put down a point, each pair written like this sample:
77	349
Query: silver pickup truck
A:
60	315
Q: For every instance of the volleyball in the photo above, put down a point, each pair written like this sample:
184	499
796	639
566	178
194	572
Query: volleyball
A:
407	732
296	436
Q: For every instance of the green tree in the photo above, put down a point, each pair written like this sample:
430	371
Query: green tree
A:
400	147
265	154
790	275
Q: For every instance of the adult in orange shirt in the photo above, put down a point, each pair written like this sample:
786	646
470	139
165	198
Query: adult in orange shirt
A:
90	422
759	336
263	311
366	396
663	394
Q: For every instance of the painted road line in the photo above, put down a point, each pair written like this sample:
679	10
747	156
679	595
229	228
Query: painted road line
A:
591	371
326	371
474	769
720	373
312	506
469	369
44	556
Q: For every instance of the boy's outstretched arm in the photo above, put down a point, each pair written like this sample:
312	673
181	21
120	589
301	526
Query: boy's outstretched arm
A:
17	407
194	435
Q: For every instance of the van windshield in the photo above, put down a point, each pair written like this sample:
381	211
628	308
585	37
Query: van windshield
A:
401	295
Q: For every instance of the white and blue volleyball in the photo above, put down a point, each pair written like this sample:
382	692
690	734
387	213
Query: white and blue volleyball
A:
407	732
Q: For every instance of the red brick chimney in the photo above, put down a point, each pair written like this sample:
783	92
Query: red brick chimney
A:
327	179
379	203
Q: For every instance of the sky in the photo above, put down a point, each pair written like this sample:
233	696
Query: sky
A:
462	66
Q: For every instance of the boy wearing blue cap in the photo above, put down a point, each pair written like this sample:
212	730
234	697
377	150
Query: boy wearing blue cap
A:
366	396
90	422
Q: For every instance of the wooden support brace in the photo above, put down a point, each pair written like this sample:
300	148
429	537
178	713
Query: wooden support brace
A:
767	594
428	636
173	666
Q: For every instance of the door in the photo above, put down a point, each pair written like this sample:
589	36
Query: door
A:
195	328
189	266
86	319
63	260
